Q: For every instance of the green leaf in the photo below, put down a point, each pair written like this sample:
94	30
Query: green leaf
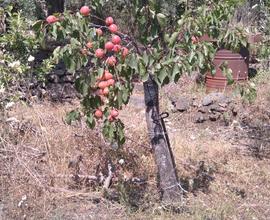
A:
120	133
69	63
161	75
201	60
54	31
173	38
132	62
125	96
143	72
72	116
90	121
119	98
162	19
229	76
176	71
180	22
37	26
74	42
191	56
100	72
82	85
145	58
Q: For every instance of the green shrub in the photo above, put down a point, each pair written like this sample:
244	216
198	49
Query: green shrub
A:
17	47
28	7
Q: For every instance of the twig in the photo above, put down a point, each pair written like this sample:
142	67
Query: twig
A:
107	181
93	178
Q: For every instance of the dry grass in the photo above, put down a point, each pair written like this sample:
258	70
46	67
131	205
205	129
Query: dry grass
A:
47	166
41	157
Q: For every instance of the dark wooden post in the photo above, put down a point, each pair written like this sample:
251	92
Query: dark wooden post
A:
167	177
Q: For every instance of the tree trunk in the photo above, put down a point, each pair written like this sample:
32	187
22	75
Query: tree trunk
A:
167	177
55	6
74	5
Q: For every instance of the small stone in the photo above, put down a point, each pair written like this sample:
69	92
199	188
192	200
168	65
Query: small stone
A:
9	105
217	108
203	109
12	120
223	105
234	111
43	92
171	107
214	117
200	118
196	103
67	79
182	104
121	161
53	78
192	137
34	98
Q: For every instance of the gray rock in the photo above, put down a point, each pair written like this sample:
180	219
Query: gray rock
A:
207	100
223	105
203	109
217	108
182	104
215	97
200	118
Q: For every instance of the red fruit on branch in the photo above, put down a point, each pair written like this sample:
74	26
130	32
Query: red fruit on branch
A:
110	118
85	10
117	48
109	46
113	28
111	61
194	39
114	113
99	32
103	84
99	53
107	75
98	113
106	91
99	92
89	45
84	51
51	19
116	39
124	52
109	21
111	82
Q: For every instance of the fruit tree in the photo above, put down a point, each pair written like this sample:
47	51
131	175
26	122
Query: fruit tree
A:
107	59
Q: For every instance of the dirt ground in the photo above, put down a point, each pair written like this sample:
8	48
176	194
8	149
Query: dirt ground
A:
48	168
